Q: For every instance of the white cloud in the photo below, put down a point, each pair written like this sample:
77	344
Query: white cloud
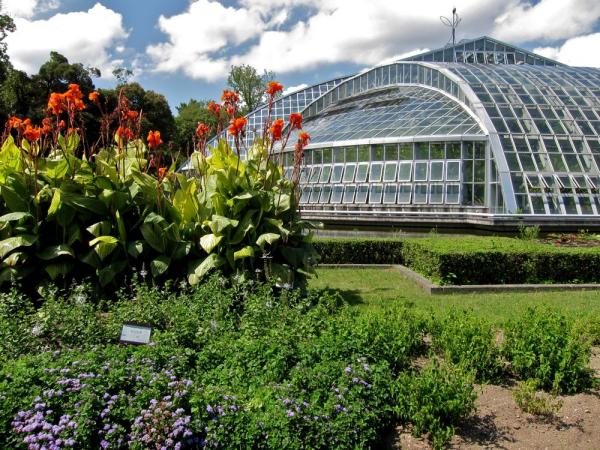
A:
548	20
579	51
207	38
86	37
28	8
292	89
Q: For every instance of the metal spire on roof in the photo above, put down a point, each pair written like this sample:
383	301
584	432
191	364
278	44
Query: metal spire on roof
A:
452	23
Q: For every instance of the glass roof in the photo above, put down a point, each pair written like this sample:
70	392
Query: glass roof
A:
391	112
483	50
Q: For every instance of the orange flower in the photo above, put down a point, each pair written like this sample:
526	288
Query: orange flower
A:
276	129
62	124
14	122
303	138
56	104
202	130
296	121
94	96
230	110
230	97
32	133
154	139
46	125
236	126
132	115
214	108
124	133
273	88
162	171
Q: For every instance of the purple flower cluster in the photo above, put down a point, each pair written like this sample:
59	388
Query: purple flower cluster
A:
162	425
37	424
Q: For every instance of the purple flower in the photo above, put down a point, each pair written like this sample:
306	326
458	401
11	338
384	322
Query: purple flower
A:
348	369
290	413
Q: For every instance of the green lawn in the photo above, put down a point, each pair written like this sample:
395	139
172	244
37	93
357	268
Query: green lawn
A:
373	288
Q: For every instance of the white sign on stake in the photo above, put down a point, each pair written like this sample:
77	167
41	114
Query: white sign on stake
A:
133	333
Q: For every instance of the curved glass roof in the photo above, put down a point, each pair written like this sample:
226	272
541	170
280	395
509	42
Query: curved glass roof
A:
390	112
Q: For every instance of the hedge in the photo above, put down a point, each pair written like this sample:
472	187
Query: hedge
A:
471	260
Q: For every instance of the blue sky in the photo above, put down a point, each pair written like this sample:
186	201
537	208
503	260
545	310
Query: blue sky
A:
184	48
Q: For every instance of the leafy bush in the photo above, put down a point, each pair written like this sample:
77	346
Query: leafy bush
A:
546	346
531	401
435	400
469	342
359	251
72	212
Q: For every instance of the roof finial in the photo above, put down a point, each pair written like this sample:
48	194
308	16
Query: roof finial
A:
452	23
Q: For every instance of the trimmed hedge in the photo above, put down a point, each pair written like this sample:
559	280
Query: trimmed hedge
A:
471	260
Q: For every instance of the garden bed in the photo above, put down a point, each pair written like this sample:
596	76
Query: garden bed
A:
472	260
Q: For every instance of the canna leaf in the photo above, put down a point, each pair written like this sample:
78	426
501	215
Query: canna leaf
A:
209	241
12	243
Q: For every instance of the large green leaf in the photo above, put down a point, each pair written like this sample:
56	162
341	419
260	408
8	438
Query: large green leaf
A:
160	265
14	195
209	241
15	259
267	238
104	245
15	216
246	252
58	269
218	223
12	243
121	227
55	251
135	248
108	273
244	227
100	228
201	267
10	158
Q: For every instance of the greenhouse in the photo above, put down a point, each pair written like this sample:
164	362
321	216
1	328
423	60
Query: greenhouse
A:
480	132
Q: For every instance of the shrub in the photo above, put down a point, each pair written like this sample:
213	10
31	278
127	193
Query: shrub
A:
469	342
546	346
359	251
435	400
531	401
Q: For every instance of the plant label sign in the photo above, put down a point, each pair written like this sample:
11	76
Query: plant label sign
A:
133	333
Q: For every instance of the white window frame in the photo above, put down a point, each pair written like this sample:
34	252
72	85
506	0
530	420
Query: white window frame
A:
431	163
410	170
420	164
371	191
430	194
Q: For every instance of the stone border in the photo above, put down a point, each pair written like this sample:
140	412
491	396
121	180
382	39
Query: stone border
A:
435	289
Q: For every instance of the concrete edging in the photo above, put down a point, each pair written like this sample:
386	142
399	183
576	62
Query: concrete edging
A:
435	289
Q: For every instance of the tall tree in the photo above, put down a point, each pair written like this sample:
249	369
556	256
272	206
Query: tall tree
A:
251	86
189	114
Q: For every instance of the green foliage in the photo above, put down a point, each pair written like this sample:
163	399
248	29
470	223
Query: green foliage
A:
469	342
251	86
359	251
435	400
529	232
531	401
189	114
546	346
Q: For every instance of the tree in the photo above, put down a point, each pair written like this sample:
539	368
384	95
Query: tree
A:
188	116
122	75
6	26
251	86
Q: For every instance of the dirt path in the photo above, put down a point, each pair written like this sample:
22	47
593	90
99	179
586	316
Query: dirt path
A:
499	424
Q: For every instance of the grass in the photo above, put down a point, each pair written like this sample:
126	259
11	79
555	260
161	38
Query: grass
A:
374	288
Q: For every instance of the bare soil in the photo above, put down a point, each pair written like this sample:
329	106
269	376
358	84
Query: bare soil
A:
499	424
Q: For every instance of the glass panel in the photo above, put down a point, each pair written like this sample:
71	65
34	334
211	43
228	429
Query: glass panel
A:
304	175
479	194
375	193
391	152
453	193
315	174
361	172
389	173
406	151
437	150
405	193
453	171
325	174
336	194
436	194
326	155
479	171
361	193
405	171
453	150
376	169
316	193
420	193
338	155
336	176
377	153
305	194
389	194
325	194
421	150
349	193
436	171
350	154
349	173
421	171
363	153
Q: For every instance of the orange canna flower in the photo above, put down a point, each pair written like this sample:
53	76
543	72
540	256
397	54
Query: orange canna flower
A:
214	108
296	121
14	122
124	133
273	87
46	125
56	104
94	96
162	171
202	130
230	97
230	110
32	133
236	126
276	129
62	124
303	138
132	115
154	139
